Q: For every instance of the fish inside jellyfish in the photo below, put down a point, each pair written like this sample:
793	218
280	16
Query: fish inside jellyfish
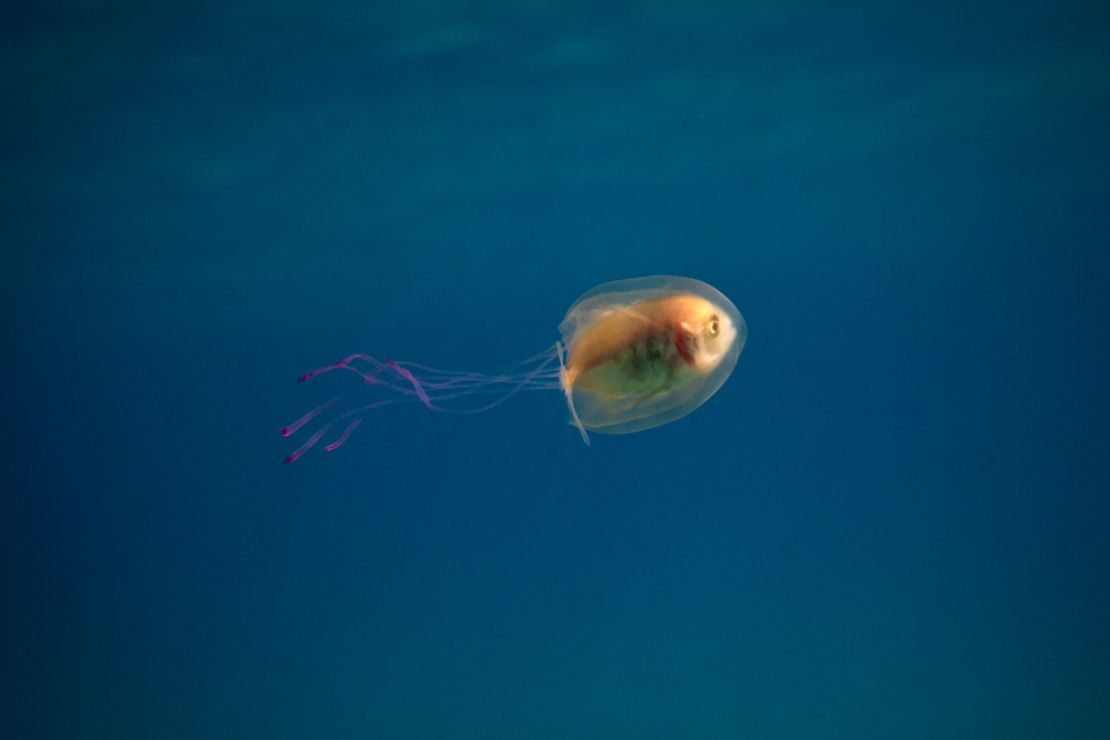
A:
634	354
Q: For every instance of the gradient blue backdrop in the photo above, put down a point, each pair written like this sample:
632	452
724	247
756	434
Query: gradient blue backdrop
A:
891	522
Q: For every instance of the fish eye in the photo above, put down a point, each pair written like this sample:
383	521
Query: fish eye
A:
713	327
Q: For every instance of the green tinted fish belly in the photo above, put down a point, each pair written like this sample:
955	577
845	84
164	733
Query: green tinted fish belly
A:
648	366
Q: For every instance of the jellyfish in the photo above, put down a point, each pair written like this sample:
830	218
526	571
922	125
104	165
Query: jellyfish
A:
634	354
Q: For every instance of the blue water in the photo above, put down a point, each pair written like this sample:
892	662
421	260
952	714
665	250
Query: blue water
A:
891	522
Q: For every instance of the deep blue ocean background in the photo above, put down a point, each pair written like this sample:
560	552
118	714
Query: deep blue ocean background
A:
891	522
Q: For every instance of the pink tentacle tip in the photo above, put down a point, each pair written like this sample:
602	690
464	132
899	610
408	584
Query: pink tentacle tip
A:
285	432
304	377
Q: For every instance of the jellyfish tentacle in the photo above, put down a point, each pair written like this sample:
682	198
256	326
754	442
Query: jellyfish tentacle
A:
427	400
564	382
504	370
526	381
343	437
415	384
346	363
289	429
339	364
438	390
308	444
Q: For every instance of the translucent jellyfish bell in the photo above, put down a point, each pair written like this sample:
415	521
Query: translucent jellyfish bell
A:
647	351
